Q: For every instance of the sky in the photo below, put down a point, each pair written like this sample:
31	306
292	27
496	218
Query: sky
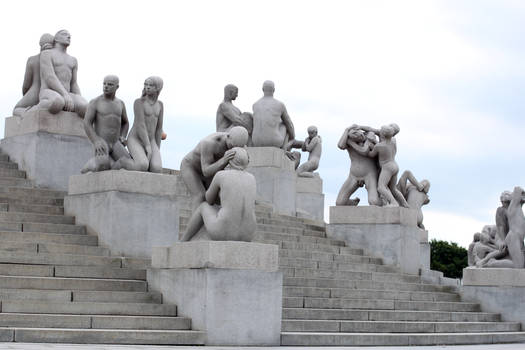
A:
451	74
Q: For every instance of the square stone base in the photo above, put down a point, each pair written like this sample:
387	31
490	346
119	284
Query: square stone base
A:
275	176
129	211
389	233
236	302
309	199
63	123
498	290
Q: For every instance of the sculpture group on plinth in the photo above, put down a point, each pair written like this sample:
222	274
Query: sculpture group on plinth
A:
372	164
501	245
313	145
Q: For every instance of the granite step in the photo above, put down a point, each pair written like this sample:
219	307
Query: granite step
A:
4	157
378	304
401	339
297	238
313	264
396	326
45	238
94	321
103	336
117	297
12	173
15	199
36	208
57	283
328	257
15	181
387	315
32	192
348	293
36	218
363	284
102	272
52	248
58	259
89	308
348	275
49	228
8	165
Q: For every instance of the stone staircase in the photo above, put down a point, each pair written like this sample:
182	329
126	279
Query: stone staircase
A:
335	295
58	286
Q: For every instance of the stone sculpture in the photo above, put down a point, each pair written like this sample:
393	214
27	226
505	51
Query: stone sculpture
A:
272	126
106	125
234	219
31	85
211	155
146	134
495	248
415	193
229	116
363	168
311	144
58	72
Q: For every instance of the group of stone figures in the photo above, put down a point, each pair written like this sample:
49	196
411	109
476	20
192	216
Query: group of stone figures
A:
501	245
372	164
214	171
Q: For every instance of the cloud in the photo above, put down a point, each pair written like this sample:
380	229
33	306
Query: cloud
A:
452	227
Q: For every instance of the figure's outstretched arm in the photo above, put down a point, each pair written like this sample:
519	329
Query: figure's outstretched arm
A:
28	79
160	121
368	129
288	123
124	123
208	165
373	152
235	118
342	144
213	191
74	85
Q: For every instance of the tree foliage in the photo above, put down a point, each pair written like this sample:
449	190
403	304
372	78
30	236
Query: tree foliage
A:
448	258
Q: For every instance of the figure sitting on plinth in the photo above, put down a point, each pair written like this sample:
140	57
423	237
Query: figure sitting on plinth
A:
58	74
106	125
146	134
211	154
311	144
272	126
234	219
228	115
415	193
31	85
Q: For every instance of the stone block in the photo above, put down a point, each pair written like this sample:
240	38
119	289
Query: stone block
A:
309	198
373	215
130	212
63	123
217	254
497	277
396	244
234	307
275	176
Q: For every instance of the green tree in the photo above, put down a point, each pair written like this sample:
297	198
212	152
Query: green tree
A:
448	258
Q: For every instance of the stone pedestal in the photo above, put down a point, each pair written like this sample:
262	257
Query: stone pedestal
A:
231	290
498	290
130	211
309	198
389	233
49	147
275	175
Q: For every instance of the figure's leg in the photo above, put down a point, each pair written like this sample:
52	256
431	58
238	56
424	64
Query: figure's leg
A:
51	100
155	163
307	169
29	100
382	186
371	189
397	194
138	161
515	247
80	104
349	187
118	151
215	227
193	181
90	166
194	224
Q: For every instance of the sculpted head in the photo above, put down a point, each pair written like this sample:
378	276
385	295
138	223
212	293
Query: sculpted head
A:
110	84
46	41
505	197
230	92
356	135
63	37
312	131
152	87
240	160
489	230
387	131
268	88
237	137
426	185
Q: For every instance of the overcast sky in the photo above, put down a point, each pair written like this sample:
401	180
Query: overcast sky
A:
450	73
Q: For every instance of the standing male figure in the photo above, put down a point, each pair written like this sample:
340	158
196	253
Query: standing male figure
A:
502	221
106	125
58	74
272	126
213	153
31	85
228	115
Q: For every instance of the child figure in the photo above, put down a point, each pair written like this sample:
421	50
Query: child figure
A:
386	150
311	144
